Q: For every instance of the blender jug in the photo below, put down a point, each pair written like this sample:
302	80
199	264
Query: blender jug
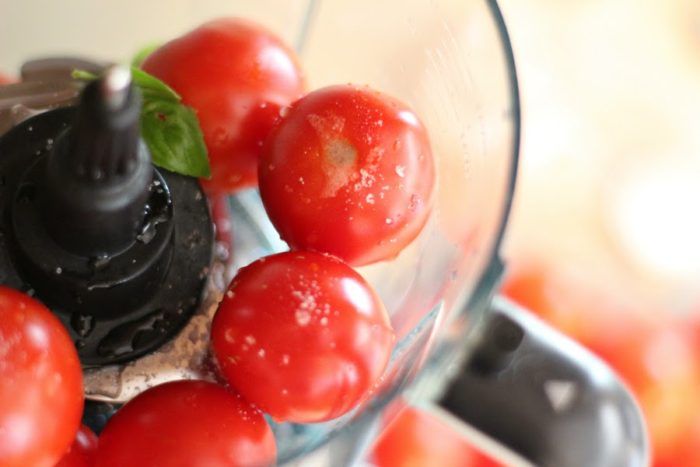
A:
506	380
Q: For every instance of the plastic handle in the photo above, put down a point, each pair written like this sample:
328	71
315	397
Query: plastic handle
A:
544	396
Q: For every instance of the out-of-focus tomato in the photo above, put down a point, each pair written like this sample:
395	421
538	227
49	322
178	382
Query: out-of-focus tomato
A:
186	424
82	452
348	171
41	389
416	439
302	336
4	79
236	76
656	353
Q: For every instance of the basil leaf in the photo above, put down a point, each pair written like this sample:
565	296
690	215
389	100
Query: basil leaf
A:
83	75
170	129
151	87
143	54
172	133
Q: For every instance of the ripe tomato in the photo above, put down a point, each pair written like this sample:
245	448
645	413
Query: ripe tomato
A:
348	171
302	336
655	352
4	79
236	75
41	390
416	439
82	452
187	424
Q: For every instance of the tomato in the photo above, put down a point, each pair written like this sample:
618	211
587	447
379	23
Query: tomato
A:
4	79
654	351
188	424
302	336
82	452
41	389
348	171
416	439
236	75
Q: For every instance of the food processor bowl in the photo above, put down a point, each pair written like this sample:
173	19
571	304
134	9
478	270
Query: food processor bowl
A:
451	61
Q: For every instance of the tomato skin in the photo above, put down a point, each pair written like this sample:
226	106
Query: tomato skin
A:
186	424
348	171
302	336
41	387
236	75
82	451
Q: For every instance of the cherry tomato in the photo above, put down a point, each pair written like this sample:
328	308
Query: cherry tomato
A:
82	452
236	75
416	439
348	171
41	390
302	336
186	424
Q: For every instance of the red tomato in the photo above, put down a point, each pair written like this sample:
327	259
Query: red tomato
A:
416	439
4	79
186	424
82	452
236	75
656	353
302	336
41	388
348	171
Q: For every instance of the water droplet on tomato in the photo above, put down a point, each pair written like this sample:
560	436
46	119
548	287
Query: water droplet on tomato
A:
302	317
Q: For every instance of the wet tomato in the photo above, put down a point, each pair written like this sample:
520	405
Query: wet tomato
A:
41	389
82	451
236	75
302	336
186	424
348	171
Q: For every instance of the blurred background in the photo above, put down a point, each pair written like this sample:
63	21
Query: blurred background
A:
603	240
603	237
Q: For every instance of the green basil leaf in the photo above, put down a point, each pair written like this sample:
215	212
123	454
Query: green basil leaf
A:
172	133
170	129
83	75
143	54
151	87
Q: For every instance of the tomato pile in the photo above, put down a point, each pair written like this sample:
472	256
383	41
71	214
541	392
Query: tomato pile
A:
656	352
347	177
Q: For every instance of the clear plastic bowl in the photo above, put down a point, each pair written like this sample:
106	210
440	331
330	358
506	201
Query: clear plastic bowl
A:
449	60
